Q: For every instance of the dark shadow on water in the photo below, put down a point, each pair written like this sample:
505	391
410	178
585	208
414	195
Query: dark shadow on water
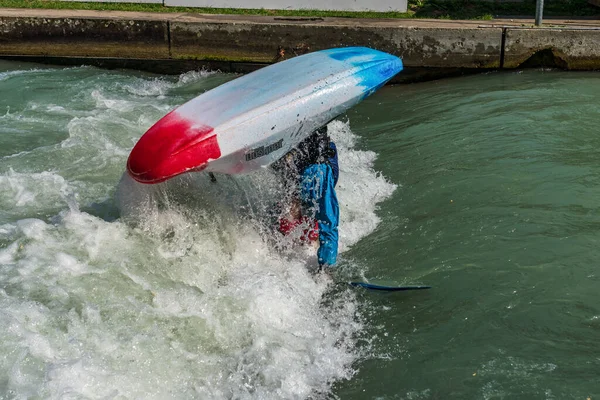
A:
106	210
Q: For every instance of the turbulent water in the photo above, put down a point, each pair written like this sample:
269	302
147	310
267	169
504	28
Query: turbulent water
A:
484	187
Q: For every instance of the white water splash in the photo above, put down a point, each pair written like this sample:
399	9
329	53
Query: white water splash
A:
192	300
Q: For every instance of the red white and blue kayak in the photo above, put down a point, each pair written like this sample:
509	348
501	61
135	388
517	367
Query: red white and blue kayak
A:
254	120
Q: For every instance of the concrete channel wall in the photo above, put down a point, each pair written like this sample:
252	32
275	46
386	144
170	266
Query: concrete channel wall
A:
172	42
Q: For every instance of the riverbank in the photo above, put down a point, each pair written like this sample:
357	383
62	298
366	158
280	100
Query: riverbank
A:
175	42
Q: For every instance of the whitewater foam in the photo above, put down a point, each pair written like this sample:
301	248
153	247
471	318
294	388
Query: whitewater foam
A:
187	294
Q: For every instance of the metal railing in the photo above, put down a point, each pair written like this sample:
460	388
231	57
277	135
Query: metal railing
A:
539	11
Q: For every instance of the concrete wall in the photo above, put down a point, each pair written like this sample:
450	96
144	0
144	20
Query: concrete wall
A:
426	46
84	37
573	49
171	42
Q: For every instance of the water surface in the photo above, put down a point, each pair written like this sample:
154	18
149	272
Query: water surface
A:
484	187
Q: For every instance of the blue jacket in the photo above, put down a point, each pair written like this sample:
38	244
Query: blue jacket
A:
317	192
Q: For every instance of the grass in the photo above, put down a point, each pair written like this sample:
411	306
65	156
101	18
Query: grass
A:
441	9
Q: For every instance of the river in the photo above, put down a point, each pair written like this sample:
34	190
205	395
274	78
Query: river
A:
484	187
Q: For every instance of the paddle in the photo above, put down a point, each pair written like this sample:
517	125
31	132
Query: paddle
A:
383	288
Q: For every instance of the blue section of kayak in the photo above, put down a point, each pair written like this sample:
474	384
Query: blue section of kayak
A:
383	288
381	66
347	53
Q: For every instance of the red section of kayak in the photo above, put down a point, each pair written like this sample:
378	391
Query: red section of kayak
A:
171	147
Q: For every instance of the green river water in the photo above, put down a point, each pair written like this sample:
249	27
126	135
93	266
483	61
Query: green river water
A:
484	187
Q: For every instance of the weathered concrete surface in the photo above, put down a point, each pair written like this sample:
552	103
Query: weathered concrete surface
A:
564	48
240	43
79	33
419	42
418	46
84	37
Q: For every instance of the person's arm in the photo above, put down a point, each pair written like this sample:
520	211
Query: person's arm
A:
332	159
318	192
328	217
